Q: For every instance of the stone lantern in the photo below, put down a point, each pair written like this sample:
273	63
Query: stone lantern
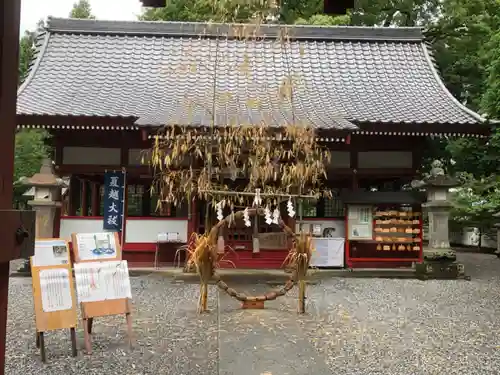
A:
46	200
439	257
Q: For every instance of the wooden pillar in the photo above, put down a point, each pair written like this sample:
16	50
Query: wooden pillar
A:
354	169
95	197
57	221
125	212
10	13
192	218
74	196
146	201
85	196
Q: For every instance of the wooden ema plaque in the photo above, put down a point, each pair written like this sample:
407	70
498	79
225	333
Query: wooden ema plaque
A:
65	317
91	310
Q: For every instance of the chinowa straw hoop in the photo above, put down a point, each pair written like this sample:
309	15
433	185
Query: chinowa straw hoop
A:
202	253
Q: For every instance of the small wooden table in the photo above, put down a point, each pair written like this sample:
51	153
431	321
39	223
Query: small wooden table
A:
163	238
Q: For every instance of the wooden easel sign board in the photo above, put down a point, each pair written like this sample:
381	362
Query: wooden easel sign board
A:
102	279
53	291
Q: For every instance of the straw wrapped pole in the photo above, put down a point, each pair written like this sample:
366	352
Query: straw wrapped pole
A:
298	259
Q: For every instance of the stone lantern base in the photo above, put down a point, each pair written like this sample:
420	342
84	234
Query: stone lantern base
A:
440	265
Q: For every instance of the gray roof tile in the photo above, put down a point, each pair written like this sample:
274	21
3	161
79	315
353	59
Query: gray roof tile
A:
165	73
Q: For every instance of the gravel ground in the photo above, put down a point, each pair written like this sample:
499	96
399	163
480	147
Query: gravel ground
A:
353	326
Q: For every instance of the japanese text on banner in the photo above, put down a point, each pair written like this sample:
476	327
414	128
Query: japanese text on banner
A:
114	188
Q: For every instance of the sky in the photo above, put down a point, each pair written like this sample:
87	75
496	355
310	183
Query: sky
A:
34	10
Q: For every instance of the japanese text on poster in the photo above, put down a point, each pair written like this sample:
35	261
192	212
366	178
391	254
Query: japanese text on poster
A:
101	281
55	289
114	188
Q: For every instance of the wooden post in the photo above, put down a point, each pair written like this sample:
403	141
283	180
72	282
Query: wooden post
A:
125	209
74	194
302	296
9	51
95	199
85	202
354	168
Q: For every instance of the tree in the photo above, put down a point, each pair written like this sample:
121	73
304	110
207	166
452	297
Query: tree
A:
475	203
31	149
27	50
289	12
466	49
209	11
30	145
395	12
324	20
82	9
26	53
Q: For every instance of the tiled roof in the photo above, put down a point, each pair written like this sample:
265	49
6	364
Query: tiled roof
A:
166	72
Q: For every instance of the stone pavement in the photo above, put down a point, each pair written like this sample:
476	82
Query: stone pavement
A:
268	341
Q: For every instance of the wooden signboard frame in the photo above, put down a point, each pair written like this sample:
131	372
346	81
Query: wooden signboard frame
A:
54	320
91	310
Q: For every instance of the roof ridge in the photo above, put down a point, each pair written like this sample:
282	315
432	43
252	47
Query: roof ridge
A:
37	58
435	73
174	28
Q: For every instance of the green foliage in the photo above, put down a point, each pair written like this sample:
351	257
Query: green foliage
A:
324	20
466	47
395	12
30	145
26	53
82	9
207	10
460	38
31	149
490	102
27	50
476	201
290	12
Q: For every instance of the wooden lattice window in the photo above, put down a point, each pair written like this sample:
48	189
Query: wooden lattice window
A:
333	207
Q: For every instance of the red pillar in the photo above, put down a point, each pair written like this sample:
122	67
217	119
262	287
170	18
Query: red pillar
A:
9	49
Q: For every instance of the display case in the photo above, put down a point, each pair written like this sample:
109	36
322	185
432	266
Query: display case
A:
384	229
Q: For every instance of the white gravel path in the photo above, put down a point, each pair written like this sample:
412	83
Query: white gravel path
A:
358	327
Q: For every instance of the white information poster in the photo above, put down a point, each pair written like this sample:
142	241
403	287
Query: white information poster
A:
360	222
329	252
101	281
50	253
96	246
55	289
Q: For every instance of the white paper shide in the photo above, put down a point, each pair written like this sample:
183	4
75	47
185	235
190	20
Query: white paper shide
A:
101	281
55	289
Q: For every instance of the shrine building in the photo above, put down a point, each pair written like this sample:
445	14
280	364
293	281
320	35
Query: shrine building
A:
104	88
